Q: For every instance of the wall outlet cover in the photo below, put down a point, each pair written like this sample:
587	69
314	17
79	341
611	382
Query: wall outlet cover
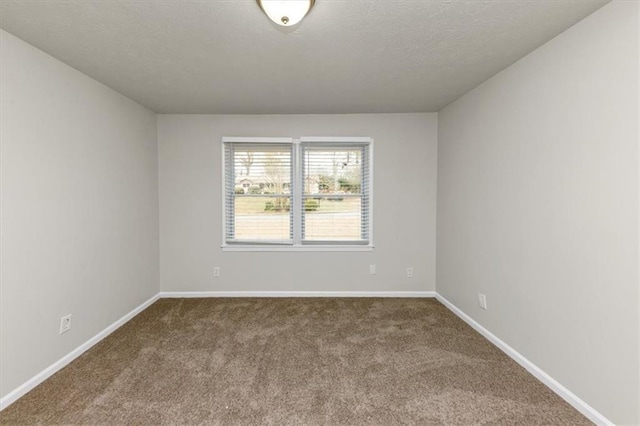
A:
65	323
482	300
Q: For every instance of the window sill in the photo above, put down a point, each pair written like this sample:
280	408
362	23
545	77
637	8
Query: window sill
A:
297	248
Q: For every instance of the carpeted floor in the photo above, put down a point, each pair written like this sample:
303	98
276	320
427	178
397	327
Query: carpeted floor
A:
293	361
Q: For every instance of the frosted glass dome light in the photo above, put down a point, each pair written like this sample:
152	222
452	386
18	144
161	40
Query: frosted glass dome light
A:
286	12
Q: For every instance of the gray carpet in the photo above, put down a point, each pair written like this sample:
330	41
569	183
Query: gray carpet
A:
293	361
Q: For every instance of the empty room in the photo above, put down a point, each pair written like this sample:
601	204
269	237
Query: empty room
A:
329	212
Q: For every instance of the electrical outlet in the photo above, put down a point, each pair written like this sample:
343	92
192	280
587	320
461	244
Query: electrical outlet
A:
216	271
482	300
65	323
409	272
372	269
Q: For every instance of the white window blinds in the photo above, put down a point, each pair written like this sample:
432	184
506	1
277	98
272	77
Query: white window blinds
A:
335	195
258	192
313	192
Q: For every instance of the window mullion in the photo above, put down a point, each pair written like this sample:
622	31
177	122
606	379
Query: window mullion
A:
364	200
297	183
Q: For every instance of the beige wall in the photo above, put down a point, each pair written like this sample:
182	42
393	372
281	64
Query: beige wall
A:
79	209
404	207
538	208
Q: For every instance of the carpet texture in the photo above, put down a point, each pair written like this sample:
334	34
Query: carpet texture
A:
293	361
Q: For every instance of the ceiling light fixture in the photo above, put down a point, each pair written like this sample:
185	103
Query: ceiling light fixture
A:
286	12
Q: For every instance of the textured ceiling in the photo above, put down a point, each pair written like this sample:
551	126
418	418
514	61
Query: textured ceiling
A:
347	56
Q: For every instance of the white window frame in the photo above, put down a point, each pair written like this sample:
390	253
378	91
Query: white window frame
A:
297	195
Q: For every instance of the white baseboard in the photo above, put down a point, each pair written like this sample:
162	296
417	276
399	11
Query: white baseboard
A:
194	294
577	403
14	395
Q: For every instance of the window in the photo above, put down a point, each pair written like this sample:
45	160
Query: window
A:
307	194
